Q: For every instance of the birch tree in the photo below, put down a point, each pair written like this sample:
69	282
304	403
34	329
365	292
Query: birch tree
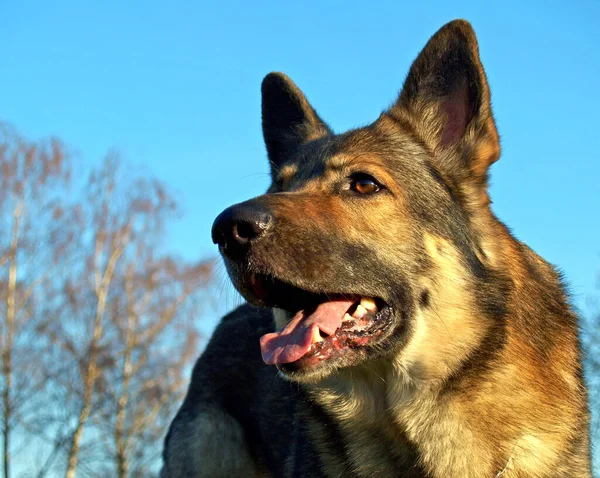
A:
97	319
128	322
32	177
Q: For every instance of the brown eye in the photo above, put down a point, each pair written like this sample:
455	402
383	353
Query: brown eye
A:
365	184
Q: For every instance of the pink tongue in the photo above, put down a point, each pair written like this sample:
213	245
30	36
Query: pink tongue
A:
293	341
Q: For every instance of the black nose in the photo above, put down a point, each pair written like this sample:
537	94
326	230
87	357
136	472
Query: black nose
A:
237	226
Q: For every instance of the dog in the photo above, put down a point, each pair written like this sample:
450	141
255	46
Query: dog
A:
394	326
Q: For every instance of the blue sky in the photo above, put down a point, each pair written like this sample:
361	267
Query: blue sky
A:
175	87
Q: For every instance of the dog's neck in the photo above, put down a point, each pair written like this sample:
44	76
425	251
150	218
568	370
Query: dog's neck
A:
463	422
435	425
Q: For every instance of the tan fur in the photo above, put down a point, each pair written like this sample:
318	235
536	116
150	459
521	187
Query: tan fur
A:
459	434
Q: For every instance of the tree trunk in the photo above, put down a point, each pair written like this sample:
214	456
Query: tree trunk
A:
102	283
90	380
10	329
120	439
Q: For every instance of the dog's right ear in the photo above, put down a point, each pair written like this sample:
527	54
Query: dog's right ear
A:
288	120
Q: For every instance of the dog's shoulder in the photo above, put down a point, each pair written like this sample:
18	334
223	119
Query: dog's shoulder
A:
237	414
230	370
234	342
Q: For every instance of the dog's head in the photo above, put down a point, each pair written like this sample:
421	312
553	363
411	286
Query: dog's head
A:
374	244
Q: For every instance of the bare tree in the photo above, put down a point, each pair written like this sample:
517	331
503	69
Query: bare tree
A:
112	234
153	317
126	308
30	173
97	322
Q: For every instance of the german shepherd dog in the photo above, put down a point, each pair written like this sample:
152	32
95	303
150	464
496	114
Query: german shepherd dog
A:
395	327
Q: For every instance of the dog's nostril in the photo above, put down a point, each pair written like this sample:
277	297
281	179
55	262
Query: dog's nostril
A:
218	237
245	231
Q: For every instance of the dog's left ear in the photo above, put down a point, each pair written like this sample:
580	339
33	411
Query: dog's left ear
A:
446	99
288	119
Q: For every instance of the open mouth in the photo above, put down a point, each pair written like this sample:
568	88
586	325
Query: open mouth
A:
322	326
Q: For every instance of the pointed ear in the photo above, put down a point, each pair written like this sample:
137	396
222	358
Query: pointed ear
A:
446	98
288	120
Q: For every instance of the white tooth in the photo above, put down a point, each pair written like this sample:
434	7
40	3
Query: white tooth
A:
359	312
316	336
346	317
368	304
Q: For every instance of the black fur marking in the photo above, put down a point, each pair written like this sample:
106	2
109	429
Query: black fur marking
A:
425	299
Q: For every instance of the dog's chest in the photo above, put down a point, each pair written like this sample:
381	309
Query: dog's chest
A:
366	440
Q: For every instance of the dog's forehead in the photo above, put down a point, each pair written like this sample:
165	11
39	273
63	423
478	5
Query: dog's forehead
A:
337	153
